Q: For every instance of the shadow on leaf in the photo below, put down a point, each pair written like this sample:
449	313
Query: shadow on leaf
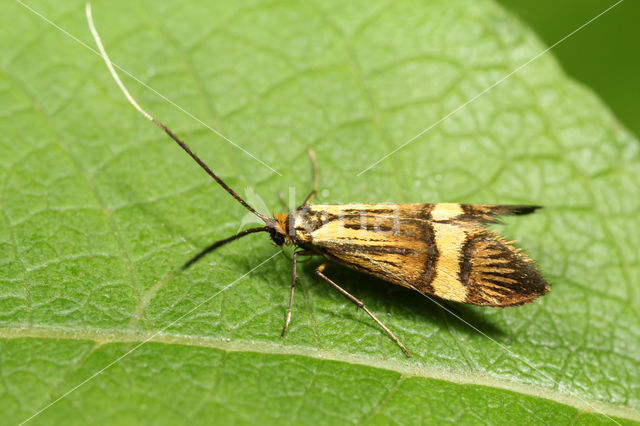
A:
405	302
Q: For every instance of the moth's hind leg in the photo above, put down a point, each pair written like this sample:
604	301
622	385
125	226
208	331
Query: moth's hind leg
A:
320	272
314	190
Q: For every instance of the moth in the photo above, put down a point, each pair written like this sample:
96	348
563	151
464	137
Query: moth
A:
442	249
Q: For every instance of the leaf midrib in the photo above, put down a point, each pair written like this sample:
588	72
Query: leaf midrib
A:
405	368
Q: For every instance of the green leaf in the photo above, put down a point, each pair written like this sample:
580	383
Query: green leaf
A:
98	207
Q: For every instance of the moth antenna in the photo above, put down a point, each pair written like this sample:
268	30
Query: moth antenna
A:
172	135
221	243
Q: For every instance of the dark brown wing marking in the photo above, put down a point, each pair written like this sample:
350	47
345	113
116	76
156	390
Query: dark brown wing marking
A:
497	273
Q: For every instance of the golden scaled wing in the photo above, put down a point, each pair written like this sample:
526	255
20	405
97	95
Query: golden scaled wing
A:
441	249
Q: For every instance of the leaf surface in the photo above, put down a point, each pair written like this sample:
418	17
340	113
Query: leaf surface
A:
99	207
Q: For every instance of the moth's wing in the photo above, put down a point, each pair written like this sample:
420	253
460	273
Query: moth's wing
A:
491	212
388	241
496	273
477	264
441	249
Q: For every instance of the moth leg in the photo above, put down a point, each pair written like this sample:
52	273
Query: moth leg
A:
283	200
314	163
294	278
293	288
319	272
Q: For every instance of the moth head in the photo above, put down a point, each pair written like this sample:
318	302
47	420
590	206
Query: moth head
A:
276	228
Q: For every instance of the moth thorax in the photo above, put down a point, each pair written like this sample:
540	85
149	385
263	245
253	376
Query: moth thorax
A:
300	225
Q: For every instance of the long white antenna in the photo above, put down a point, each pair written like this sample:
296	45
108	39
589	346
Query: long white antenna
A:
113	72
172	135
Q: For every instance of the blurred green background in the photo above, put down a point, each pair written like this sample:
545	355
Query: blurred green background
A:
604	55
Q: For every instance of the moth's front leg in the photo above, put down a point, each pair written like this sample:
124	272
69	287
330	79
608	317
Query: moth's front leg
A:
320	272
314	190
294	278
283	200
293	288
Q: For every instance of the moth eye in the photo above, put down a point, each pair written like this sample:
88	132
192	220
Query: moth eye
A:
278	238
